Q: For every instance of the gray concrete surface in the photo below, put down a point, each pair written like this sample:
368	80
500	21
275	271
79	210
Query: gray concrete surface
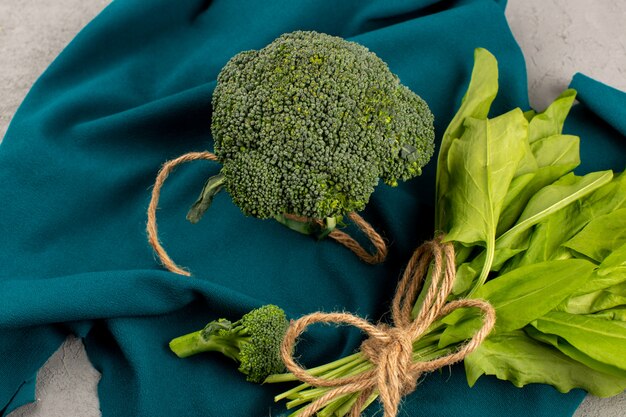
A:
558	38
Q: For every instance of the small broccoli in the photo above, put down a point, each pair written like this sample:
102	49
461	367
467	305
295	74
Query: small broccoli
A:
308	125
253	342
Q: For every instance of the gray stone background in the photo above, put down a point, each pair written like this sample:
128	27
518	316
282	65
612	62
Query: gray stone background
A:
558	38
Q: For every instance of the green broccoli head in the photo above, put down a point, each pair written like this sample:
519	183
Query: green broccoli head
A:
253	341
260	355
310	123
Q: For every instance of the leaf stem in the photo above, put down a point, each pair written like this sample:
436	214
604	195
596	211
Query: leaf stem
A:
484	273
317	371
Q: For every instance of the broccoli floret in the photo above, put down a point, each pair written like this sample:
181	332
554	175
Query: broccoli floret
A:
253	341
309	124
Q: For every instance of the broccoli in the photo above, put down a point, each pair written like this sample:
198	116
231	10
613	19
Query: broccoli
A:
253	341
308	125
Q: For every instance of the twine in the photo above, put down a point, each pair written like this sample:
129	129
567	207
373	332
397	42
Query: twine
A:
345	239
390	349
151	227
349	242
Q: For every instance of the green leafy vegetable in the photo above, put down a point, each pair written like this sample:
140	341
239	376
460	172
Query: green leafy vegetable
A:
531	291
480	170
601	292
550	122
521	360
601	237
550	234
551	199
547	157
475	104
615	262
603	340
573	353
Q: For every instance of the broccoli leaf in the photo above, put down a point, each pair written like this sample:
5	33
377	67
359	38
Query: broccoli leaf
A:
212	186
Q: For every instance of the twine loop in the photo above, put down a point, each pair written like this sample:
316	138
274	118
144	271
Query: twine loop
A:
151	226
348	241
390	348
392	353
342	237
351	243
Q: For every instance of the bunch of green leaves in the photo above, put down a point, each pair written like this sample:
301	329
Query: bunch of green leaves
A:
546	247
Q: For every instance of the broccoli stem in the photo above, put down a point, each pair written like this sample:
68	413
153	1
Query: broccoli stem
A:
329	225
211	187
309	227
196	342
306	228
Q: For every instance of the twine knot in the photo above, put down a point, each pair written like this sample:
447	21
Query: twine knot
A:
390	348
391	351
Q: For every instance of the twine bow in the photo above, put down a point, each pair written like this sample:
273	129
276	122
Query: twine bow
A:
390	349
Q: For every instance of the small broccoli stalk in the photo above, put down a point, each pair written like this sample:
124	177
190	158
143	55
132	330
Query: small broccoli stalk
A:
253	341
318	228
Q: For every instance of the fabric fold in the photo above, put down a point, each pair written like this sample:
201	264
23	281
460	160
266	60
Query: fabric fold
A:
600	121
133	90
605	101
23	352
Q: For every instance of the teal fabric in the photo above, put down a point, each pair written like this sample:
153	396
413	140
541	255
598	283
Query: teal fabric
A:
132	91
